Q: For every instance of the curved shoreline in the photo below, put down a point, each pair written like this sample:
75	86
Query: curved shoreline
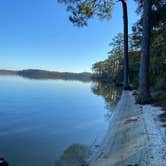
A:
134	136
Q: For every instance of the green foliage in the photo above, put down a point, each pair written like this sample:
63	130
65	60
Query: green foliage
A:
158	39
159	98
82	10
160	85
111	69
107	70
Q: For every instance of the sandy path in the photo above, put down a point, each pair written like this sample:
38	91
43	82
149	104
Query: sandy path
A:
133	138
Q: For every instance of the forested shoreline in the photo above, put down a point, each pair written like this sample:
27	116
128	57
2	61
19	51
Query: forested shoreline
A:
43	74
111	69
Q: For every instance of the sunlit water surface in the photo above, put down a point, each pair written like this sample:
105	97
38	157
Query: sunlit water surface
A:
39	119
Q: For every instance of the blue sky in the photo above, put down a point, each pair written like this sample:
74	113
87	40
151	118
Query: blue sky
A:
37	34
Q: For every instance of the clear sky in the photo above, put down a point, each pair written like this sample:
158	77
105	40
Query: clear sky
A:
37	34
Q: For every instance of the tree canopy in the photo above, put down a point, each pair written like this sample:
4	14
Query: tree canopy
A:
82	10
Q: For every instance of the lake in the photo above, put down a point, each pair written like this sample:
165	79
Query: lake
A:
41	118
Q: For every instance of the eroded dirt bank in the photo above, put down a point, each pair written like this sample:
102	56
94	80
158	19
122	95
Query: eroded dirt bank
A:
135	137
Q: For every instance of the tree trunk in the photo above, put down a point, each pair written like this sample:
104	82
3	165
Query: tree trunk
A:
125	23
144	87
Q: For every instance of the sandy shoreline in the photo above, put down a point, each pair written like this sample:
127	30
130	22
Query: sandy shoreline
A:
134	137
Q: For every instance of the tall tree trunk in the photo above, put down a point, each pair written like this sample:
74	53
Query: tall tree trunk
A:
144	87
125	23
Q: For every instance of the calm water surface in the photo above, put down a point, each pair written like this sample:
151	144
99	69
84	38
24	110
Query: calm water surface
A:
41	118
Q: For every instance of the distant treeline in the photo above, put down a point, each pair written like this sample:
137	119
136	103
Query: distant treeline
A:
8	72
43	74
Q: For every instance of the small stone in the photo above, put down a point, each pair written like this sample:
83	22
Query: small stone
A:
3	162
131	119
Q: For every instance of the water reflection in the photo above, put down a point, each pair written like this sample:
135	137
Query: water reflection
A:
76	154
109	92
